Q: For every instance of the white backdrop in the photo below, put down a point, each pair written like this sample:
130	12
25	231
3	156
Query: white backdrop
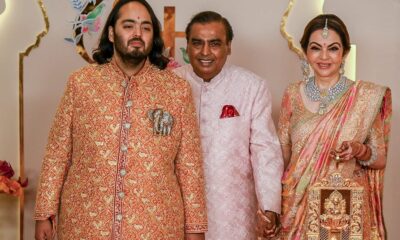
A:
257	45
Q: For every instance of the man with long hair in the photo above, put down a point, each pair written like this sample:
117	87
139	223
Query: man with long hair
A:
123	159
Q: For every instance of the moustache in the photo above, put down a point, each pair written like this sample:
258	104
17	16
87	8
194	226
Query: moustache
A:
136	40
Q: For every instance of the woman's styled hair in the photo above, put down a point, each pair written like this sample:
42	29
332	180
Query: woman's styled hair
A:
333	23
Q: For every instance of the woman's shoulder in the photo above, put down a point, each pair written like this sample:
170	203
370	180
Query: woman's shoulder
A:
371	87
291	95
293	87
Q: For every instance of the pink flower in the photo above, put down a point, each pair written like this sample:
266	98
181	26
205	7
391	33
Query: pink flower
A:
172	64
6	169
85	29
97	24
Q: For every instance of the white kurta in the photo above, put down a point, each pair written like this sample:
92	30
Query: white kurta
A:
242	155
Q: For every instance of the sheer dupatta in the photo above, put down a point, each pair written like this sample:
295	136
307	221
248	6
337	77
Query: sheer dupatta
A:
312	163
310	160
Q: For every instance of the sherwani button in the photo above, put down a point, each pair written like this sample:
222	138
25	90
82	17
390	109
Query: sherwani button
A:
121	194
122	172
124	148
124	84
129	103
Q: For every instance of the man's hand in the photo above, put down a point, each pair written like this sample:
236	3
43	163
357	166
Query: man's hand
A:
195	236
268	224
43	230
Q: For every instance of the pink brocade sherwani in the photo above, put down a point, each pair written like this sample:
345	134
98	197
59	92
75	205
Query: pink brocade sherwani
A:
106	175
242	155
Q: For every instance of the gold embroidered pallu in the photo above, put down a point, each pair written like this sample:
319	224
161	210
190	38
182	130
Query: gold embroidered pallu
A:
334	209
361	114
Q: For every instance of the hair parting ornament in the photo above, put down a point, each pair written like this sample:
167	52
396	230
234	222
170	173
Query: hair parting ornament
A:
325	30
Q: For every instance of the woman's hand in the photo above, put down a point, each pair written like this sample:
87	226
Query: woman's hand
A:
351	149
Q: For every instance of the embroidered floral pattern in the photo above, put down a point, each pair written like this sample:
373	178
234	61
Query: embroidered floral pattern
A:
108	173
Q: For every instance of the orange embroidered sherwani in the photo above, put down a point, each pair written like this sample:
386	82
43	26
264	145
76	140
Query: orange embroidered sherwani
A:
106	175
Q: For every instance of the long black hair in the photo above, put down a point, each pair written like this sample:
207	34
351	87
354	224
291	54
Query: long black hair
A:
105	50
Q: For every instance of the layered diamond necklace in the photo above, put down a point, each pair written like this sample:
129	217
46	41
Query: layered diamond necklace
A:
325	97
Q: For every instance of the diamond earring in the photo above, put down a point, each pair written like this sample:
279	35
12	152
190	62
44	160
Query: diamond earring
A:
341	70
305	67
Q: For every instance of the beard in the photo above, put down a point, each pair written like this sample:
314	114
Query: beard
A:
133	57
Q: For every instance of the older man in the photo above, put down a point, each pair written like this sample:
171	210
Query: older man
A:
243	162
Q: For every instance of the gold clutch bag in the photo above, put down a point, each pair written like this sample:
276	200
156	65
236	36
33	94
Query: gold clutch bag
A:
335	209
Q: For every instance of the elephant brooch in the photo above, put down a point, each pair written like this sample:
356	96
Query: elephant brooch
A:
162	121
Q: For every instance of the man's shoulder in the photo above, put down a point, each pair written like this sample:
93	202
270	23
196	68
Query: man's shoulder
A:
87	70
167	75
183	71
169	79
244	74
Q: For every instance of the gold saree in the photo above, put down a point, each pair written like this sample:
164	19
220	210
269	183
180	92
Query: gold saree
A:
361	114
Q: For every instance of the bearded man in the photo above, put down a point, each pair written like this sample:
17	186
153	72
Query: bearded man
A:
123	159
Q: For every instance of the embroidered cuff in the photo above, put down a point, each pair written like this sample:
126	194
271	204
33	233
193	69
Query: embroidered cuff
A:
44	216
196	228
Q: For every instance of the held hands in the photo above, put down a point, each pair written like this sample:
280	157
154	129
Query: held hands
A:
44	230
268	224
351	149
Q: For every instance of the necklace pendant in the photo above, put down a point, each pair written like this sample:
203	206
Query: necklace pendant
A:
322	109
323	93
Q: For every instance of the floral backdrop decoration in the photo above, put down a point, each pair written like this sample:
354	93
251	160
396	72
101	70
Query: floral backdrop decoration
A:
7	184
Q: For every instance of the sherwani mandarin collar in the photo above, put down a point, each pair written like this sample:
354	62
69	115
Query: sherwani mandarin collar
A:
120	73
214	82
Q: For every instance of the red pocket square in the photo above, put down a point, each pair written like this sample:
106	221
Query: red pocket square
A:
229	111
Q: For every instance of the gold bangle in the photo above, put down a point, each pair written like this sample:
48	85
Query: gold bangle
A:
371	160
361	152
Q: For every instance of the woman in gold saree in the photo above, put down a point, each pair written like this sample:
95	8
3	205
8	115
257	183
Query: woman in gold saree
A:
328	124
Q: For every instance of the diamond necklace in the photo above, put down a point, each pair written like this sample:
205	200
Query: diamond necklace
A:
314	94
